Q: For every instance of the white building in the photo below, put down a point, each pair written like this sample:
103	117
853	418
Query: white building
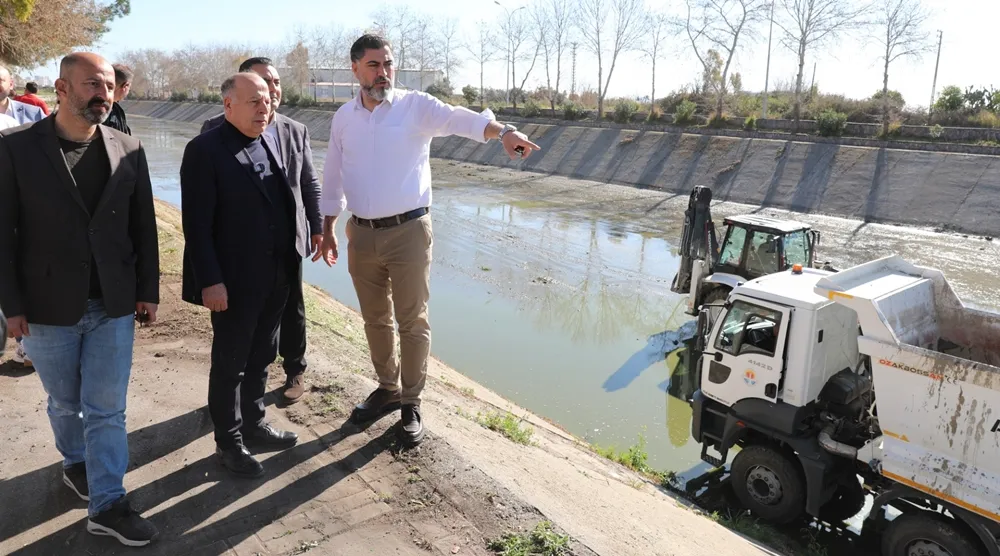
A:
339	84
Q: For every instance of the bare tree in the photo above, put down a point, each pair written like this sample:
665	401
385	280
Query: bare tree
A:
608	28
447	36
902	35
553	20
722	26
517	38
398	24
811	23
483	49
424	52
659	26
298	62
330	45
34	32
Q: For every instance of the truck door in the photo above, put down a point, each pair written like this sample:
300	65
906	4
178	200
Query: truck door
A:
745	356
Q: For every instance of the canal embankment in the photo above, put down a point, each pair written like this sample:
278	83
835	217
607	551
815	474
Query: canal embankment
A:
942	190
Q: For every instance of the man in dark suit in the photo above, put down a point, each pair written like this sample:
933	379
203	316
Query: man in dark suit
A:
292	139
79	263
245	231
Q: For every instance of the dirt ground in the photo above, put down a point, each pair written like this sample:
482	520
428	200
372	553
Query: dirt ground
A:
341	490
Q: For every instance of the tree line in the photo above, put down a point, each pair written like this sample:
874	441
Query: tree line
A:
541	38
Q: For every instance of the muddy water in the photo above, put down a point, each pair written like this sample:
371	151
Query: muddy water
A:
554	292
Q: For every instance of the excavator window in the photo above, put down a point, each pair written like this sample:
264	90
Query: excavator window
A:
763	255
796	246
732	249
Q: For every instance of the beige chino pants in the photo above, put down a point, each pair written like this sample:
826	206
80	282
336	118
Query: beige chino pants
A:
390	268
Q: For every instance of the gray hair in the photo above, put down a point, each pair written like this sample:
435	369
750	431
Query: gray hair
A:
228	85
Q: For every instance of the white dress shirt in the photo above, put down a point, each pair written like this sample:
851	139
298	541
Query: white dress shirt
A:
378	162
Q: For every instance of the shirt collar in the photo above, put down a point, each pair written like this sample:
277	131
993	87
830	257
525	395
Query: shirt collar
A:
390	98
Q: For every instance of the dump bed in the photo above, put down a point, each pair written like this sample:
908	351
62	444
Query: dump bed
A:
936	377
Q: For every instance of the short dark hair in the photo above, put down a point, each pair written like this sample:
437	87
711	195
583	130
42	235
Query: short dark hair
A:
251	62
123	74
31	87
368	41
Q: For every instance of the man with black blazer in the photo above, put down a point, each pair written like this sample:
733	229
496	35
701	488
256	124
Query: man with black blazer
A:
79	264
245	231
292	139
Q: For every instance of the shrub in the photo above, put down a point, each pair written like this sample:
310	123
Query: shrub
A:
936	131
178	96
210	98
625	109
684	113
573	111
530	109
750	124
719	120
987	119
470	93
831	123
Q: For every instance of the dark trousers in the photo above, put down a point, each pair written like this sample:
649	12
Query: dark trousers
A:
244	343
292	333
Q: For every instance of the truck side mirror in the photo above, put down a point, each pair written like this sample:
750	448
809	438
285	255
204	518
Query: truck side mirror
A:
702	331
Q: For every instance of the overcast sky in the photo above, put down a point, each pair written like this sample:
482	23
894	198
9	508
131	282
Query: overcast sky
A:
852	68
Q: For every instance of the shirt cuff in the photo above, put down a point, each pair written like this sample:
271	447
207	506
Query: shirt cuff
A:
479	124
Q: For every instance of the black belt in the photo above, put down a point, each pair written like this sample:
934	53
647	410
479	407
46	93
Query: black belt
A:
390	221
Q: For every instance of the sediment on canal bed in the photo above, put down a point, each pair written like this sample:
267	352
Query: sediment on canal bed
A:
950	191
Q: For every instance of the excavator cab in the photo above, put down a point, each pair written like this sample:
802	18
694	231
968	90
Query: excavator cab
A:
752	246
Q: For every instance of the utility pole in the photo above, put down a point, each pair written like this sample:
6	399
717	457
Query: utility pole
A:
813	84
767	72
572	87
930	107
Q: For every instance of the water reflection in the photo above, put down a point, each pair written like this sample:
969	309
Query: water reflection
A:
562	311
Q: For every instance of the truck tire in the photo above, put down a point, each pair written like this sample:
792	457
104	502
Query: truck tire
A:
927	534
769	483
720	293
846	503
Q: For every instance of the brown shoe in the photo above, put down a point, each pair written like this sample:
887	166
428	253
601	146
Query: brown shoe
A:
294	389
377	404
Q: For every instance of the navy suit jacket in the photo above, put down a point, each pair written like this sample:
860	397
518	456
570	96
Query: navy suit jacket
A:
296	154
228	219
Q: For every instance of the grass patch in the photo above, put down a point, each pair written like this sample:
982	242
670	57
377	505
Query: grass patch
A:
329	323
504	423
749	526
328	401
542	541
485	268
635	457
470	392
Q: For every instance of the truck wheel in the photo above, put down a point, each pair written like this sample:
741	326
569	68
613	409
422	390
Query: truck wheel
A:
846	503
921	534
716	295
769	483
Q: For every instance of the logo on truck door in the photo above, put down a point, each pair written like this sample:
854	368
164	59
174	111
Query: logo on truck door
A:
749	377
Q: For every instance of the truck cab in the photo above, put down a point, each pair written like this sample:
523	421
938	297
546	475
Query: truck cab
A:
821	381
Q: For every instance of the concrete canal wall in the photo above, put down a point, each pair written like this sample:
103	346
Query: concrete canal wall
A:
953	191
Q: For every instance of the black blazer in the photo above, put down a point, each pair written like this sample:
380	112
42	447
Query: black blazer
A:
296	155
48	238
227	216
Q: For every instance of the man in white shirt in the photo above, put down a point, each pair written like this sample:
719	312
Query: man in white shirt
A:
22	112
378	168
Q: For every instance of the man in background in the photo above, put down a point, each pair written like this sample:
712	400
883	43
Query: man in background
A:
292	140
123	83
80	266
245	234
31	97
23	113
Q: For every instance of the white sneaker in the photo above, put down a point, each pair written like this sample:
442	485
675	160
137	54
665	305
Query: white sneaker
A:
20	357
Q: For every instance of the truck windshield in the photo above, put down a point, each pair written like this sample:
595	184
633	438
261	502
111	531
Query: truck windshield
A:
763	256
761	329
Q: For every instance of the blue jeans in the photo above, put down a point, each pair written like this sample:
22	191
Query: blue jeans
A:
85	371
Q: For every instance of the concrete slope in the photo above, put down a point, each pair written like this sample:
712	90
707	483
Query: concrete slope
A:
948	190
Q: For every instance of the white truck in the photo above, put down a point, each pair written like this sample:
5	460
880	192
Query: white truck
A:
873	379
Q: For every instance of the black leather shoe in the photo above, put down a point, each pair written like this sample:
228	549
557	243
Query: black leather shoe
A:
412	430
239	462
378	403
266	436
